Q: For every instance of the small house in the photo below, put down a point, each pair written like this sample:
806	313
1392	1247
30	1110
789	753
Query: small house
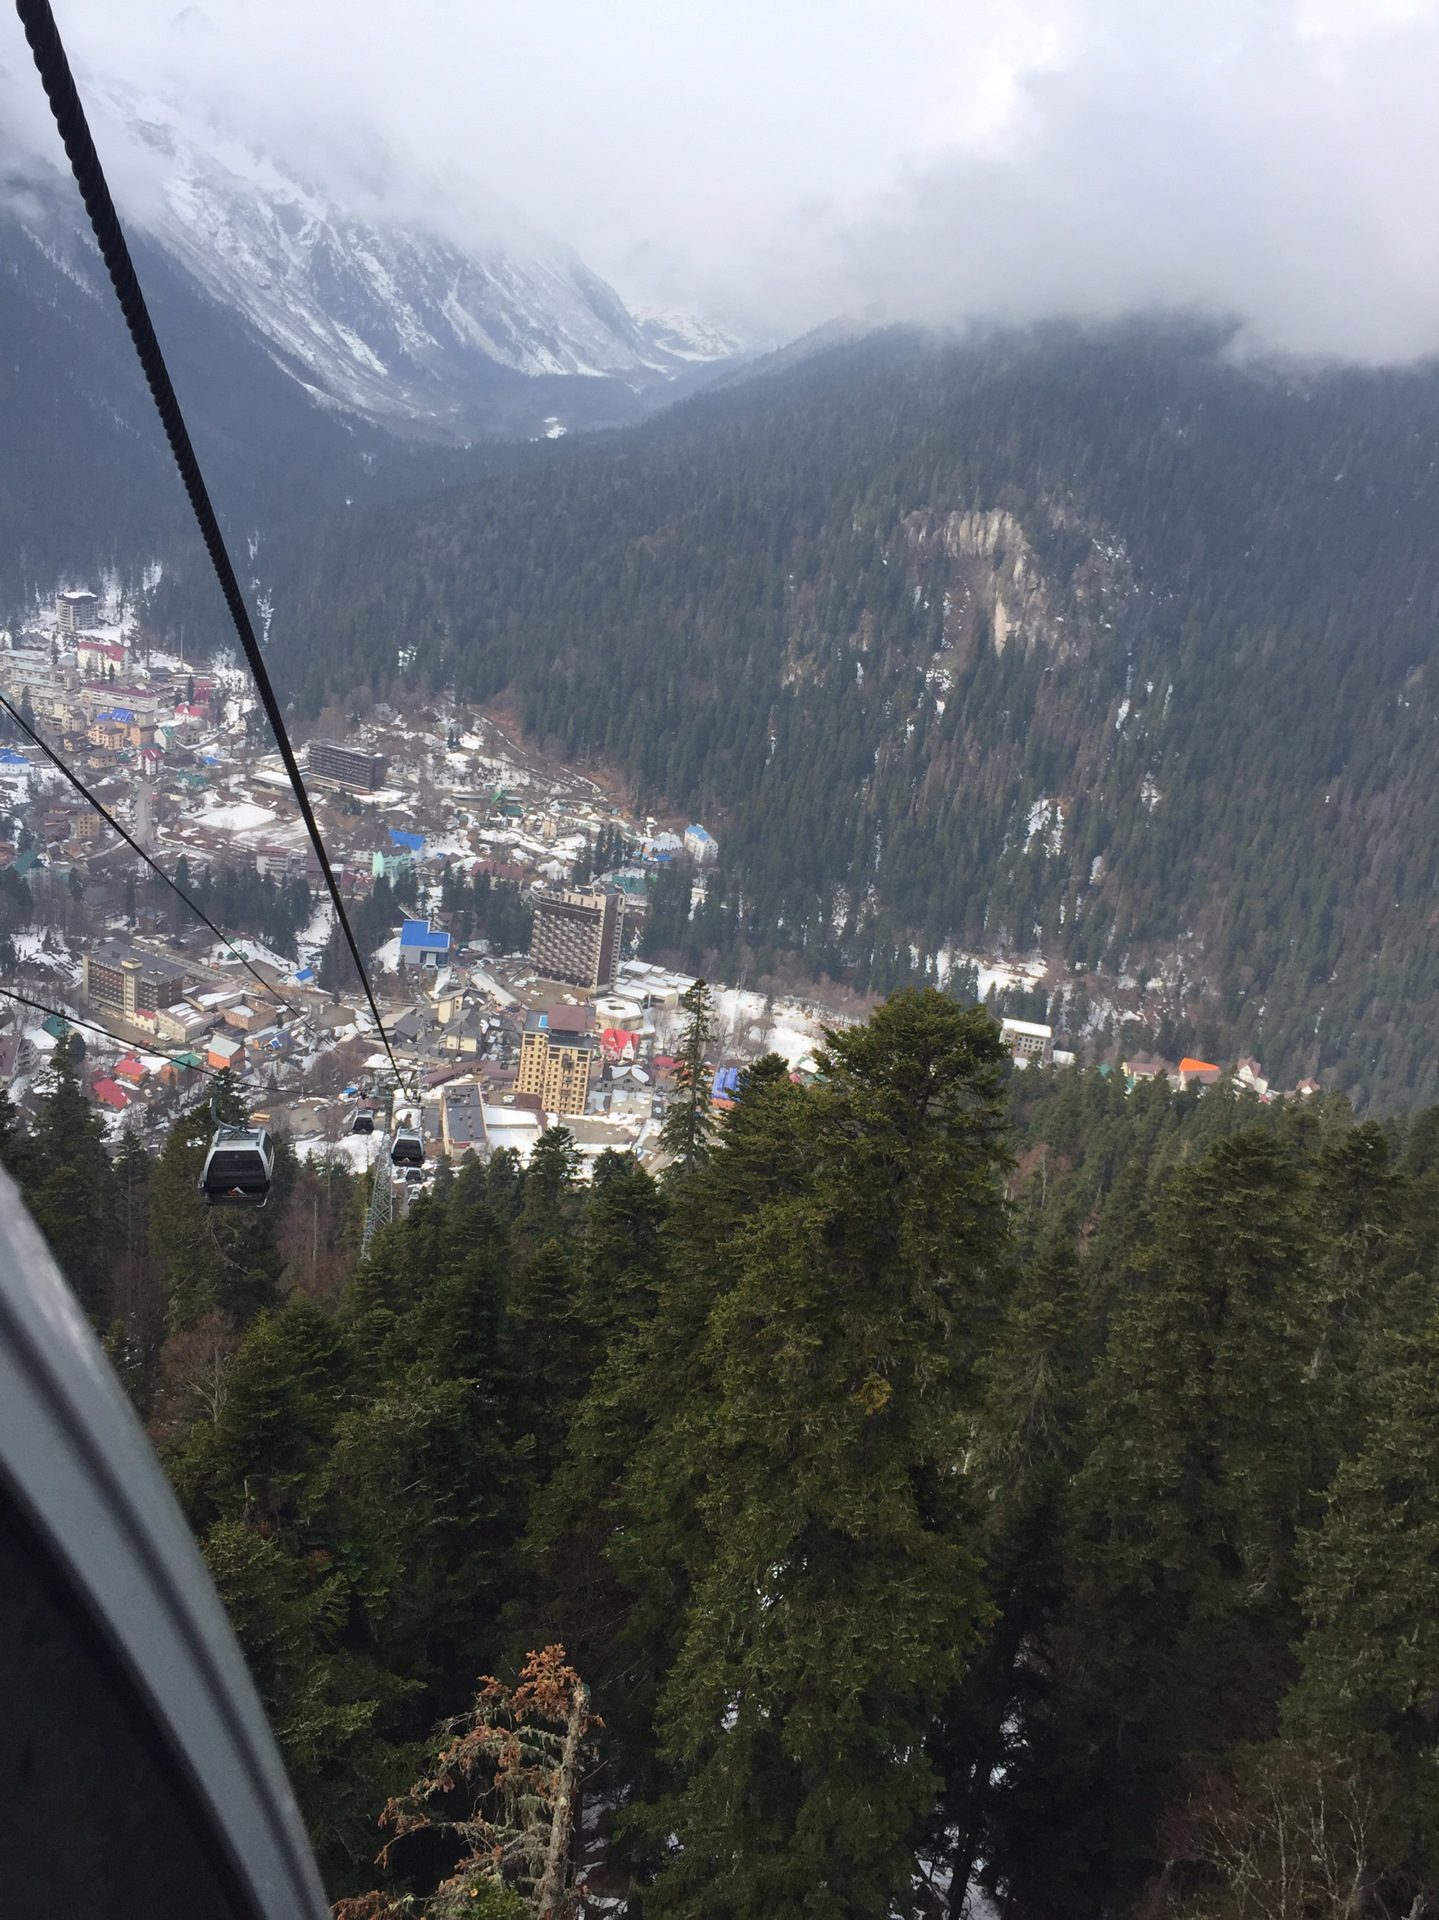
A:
422	945
224	1052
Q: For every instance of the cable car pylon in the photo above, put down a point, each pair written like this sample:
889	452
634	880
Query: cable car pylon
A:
381	1210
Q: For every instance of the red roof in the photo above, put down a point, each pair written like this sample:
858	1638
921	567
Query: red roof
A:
130	1069
1187	1065
112	1095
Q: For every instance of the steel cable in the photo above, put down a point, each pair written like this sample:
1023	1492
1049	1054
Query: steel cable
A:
59	84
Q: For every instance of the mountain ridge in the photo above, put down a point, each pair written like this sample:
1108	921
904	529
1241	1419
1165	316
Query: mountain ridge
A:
293	410
1091	642
386	319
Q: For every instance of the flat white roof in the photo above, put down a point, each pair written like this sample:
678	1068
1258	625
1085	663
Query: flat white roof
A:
1030	1027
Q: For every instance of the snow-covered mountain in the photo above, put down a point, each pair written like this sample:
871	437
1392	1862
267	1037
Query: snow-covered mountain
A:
380	318
326	354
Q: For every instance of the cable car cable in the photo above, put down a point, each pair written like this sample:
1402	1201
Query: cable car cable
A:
74	1020
79	785
59	84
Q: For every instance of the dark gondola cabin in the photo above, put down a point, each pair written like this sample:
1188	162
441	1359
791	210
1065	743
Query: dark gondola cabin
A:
238	1168
409	1148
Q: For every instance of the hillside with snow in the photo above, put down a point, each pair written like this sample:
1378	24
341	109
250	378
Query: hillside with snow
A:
400	325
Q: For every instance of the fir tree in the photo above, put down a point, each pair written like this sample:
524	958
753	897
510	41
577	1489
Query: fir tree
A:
835	1594
69	1184
688	1126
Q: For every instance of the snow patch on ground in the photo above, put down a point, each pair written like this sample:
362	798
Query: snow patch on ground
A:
239	817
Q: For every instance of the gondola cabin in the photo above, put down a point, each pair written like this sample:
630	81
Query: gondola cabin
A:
363	1122
238	1168
409	1148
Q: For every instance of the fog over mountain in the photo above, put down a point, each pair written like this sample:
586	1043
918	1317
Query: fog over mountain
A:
391	321
1271	159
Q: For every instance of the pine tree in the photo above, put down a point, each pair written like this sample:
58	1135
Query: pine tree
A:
68	1183
835	1593
996	1734
1205	1419
688	1126
550	1185
1370	1678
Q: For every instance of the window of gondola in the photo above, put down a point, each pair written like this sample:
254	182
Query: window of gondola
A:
94	1820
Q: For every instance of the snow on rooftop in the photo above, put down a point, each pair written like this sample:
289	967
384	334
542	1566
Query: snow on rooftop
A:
238	817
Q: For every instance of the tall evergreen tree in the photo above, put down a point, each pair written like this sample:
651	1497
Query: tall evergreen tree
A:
688	1126
1205	1435
835	1589
69	1184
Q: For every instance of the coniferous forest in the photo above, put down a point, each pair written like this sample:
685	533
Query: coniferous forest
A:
1099	643
943	1477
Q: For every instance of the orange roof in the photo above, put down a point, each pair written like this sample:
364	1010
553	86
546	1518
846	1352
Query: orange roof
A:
1197	1066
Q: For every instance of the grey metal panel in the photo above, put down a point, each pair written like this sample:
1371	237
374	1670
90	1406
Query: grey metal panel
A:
78	1462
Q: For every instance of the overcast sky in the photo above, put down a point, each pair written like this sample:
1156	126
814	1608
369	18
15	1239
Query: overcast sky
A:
787	162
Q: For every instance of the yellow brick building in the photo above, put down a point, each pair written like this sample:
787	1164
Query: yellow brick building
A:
556	1061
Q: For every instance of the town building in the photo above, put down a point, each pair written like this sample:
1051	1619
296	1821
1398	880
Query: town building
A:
103	657
107	732
354	768
511	1129
180	1022
1145	1067
557	1058
75	610
1027	1040
1197	1073
462	1127
222	1052
576	938
135	985
422	945
701	847
17	1055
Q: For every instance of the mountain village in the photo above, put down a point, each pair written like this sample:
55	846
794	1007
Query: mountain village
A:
575	1027
498	1045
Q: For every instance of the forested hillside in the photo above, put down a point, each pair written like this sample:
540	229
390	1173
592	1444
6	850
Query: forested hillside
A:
1100	643
940	1482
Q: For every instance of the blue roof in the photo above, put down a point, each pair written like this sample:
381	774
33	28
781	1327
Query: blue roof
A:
420	936
305	973
118	713
414	841
9	758
726	1084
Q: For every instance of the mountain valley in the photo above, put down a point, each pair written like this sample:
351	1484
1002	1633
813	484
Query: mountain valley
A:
1095	644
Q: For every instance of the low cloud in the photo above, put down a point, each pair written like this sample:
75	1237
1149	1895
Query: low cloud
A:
955	159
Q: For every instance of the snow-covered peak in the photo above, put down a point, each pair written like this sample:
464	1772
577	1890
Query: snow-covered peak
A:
681	335
378	316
